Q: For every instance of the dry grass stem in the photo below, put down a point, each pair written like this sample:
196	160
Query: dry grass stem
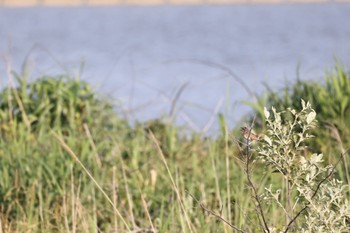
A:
128	196
92	143
213	213
69	150
144	204
156	143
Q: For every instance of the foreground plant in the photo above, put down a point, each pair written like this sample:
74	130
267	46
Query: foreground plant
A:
312	199
69	163
329	97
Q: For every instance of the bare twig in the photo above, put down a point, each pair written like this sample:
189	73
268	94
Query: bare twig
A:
256	197
142	230
258	206
176	98
213	213
212	117
223	68
316	190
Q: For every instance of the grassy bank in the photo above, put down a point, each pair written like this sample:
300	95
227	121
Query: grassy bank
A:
70	164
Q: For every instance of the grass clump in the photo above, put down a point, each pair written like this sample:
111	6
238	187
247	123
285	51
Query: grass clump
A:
44	189
70	164
36	173
53	103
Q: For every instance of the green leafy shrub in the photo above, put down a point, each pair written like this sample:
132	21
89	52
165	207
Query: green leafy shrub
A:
31	159
312	199
331	101
54	103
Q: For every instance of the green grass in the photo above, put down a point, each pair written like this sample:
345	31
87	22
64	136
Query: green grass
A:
44	189
331	100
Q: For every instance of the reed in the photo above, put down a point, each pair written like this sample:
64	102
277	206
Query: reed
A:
142	178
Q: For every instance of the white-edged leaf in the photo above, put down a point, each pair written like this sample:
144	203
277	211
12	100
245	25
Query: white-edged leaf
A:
293	111
267	113
303	103
310	117
316	158
267	139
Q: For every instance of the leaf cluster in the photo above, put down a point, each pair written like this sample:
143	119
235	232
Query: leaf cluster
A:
330	98
311	191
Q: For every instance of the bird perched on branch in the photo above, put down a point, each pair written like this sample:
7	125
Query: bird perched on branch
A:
250	134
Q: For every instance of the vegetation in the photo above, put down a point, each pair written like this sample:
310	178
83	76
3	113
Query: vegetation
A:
309	186
331	101
70	164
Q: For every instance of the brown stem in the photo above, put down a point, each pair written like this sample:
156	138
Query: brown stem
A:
257	199
260	212
216	214
317	188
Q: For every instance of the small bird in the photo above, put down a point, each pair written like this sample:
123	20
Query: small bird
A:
249	134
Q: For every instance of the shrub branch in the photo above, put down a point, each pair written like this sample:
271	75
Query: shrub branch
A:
258	206
317	189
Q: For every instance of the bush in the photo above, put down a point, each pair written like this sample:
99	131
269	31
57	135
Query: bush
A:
53	103
331	101
312	199
34	170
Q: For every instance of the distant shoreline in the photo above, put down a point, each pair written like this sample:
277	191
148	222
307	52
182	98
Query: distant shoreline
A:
24	3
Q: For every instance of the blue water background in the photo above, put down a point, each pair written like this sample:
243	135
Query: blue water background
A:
146	57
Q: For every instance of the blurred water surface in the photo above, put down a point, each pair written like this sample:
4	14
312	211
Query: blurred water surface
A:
147	57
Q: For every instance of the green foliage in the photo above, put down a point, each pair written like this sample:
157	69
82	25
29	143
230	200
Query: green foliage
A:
43	189
330	99
34	169
59	102
283	147
310	188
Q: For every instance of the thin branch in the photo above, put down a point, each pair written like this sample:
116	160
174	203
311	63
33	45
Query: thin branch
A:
317	188
176	98
218	216
223	68
143	230
255	195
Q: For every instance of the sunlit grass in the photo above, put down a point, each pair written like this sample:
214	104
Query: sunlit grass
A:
142	177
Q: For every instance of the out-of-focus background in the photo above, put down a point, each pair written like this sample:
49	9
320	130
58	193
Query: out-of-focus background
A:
139	116
195	58
144	2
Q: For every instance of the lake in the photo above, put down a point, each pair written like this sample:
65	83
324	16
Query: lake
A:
194	60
